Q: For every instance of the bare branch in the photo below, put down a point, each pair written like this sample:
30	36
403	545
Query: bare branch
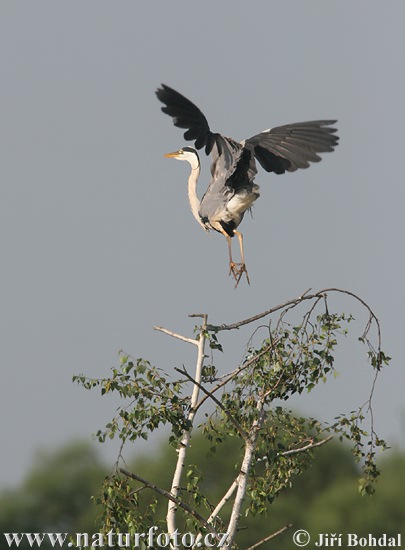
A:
294	303
179	336
306	292
305	448
238	324
204	317
270	537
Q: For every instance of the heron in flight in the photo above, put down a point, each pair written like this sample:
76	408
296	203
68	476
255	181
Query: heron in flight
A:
232	191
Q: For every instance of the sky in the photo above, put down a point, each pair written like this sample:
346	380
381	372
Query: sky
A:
98	244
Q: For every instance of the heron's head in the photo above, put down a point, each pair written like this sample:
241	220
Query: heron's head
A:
186	153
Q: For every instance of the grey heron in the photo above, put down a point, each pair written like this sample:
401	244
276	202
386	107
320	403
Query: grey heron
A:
232	191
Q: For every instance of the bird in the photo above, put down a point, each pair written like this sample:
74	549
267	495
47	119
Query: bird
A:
232	189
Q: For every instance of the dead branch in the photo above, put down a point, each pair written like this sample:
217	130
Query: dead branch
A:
175	335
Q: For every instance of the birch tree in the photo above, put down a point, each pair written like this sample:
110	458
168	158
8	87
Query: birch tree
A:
247	403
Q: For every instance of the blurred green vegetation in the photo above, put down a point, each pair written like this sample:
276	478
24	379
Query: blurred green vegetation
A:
56	494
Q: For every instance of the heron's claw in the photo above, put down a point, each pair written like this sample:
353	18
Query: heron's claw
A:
237	270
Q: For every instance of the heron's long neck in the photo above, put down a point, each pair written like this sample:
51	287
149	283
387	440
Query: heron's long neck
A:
192	192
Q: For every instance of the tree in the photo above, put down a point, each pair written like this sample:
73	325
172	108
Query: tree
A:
56	495
274	446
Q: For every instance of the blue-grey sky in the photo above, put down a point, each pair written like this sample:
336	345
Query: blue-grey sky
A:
98	244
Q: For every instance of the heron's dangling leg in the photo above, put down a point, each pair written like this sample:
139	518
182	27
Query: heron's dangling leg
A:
228	238
241	268
236	270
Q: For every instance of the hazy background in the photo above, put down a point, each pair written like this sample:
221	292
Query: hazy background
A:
97	240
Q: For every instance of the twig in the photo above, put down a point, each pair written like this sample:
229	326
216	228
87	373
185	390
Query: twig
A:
297	451
270	537
175	335
306	448
249	320
295	302
202	315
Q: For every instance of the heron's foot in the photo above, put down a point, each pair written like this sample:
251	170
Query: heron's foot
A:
237	270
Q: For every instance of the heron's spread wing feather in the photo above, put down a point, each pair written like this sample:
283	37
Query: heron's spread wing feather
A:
187	115
293	146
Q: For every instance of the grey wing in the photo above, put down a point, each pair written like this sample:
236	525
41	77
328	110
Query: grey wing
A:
293	146
185	114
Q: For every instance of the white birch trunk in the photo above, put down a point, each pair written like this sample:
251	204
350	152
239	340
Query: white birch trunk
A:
184	443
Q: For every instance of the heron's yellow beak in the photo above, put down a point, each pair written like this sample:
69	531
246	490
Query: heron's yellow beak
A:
172	155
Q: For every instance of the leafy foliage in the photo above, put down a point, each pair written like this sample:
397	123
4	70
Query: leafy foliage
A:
153	400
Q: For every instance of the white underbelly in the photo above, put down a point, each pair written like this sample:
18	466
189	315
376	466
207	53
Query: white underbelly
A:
241	202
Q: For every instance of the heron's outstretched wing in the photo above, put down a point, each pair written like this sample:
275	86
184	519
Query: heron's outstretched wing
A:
187	115
293	146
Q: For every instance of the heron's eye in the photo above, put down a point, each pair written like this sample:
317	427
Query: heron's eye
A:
181	151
